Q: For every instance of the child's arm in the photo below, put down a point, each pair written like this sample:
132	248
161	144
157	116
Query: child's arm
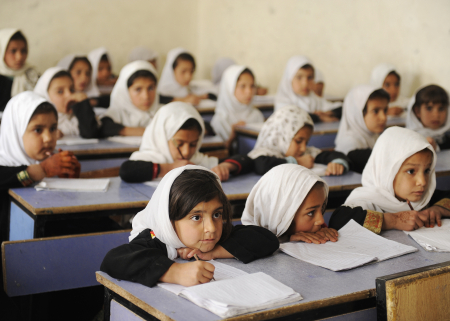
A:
337	163
263	164
322	236
358	159
142	171
87	122
15	176
236	165
61	164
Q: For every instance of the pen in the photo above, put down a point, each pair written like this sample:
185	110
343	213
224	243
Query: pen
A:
409	204
197	259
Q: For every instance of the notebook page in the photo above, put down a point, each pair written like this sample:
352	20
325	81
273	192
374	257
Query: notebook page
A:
129	140
154	183
222	272
356	246
73	184
76	140
319	169
240	295
433	239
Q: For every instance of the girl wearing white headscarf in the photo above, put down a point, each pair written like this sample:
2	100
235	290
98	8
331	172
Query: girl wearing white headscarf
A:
385	75
401	169
229	110
319	82
159	235
287	213
354	137
75	114
319	108
18	76
428	114
124	117
142	53
101	69
283	139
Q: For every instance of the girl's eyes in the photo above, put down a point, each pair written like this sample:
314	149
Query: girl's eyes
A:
193	145
195	218
310	214
38	130
60	91
427	171
299	141
53	129
429	108
410	171
217	215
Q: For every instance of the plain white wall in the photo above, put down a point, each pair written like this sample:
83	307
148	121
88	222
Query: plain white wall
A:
344	38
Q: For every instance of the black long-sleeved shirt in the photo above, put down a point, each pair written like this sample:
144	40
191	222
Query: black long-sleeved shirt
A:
110	128
359	159
167	99
5	91
87	122
337	112
263	164
8	177
144	260
446	143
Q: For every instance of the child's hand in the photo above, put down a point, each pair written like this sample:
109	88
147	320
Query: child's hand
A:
63	164
192	99
261	91
395	111
432	142
334	169
189	274
183	253
306	161
433	215
218	252
308	237
329	234
404	221
223	170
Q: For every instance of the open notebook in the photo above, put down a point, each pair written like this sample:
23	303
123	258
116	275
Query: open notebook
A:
76	140
73	184
129	140
356	246
433	239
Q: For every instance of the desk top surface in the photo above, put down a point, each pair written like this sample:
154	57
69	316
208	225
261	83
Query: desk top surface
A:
318	286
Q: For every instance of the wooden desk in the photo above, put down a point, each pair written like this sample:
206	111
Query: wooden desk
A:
326	293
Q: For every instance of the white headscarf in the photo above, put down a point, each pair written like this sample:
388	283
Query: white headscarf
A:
168	86
286	95
377	78
168	120
92	89
393	147
67	123
228	109
122	110
15	120
23	79
277	196
353	133
412	122
142	53
155	216
219	68
94	57
278	131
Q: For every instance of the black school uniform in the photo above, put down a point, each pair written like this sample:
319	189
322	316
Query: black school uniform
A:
359	159
87	121
163	100
5	91
144	260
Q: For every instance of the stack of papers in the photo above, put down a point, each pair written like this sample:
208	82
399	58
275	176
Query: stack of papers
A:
435	239
73	184
130	140
76	140
356	246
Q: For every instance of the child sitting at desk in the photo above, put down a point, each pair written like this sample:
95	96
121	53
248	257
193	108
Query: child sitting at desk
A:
363	120
17	75
187	215
295	88
290	201
133	101
176	77
283	139
386	76
101	67
76	116
234	105
428	115
173	139
27	141
398	186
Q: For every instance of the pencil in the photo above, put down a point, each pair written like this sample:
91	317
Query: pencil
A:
197	259
409	204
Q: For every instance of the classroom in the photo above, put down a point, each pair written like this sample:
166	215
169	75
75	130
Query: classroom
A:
209	160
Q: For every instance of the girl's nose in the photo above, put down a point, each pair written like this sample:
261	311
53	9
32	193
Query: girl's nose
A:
320	220
209	226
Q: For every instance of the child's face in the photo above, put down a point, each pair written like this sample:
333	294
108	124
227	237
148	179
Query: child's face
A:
60	93
142	93
392	86
183	144
318	88
431	115
309	216
303	81
16	54
376	115
104	70
411	181
81	74
245	89
298	144
183	72
40	136
202	227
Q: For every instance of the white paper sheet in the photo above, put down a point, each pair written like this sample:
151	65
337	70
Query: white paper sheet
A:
206	103
76	140
73	184
154	183
319	169
252	126
99	111
263	100
243	294
129	140
222	272
435	239
212	139
356	246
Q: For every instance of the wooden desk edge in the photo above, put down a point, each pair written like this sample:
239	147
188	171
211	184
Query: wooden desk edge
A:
103	151
343	187
253	133
261	315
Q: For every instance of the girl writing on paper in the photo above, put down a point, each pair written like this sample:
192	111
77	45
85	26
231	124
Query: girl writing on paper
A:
188	215
398	186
